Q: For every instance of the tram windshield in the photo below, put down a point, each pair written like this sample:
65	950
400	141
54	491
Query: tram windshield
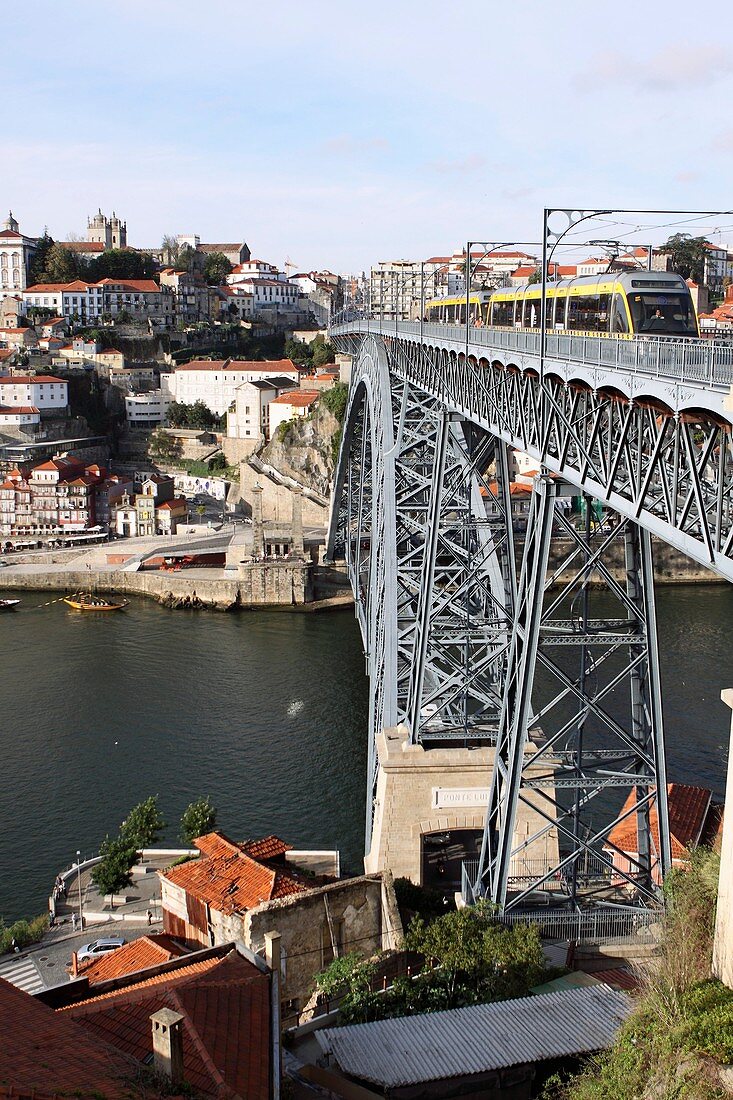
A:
663	314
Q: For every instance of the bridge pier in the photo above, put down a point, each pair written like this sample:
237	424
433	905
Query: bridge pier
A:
422	796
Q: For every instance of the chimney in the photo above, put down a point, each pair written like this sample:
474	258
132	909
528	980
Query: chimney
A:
74	965
168	1044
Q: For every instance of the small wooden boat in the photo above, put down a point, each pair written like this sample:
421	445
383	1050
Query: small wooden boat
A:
88	601
8	605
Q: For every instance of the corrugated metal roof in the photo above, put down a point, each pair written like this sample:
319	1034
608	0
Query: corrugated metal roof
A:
465	1041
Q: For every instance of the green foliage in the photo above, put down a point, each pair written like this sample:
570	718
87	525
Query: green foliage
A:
164	448
197	819
683	1020
121	263
469	958
198	415
535	277
687	255
216	268
61	265
322	352
113	873
218	462
186	258
144	824
336	444
298	351
44	245
336	400
283	430
23	932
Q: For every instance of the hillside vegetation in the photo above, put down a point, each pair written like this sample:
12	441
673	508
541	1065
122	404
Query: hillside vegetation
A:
678	1041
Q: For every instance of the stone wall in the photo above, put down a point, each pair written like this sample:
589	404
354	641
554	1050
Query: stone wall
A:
364	908
409	777
277	584
277	500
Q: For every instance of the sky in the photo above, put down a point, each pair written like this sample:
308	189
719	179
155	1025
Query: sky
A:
336	134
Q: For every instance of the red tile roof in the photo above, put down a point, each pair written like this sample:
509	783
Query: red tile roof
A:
300	399
138	955
18	409
231	879
688	807
226	1010
43	1050
28	379
269	366
269	847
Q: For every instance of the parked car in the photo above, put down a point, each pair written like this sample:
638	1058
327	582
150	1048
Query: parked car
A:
99	947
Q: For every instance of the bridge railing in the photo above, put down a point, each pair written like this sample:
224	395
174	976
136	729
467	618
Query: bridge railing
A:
700	362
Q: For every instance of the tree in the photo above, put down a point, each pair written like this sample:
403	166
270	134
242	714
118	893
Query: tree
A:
323	353
218	461
200	416
169	249
687	255
535	277
62	265
298	351
197	819
122	263
469	958
114	872
335	400
178	412
164	448
186	256
44	245
143	825
216	268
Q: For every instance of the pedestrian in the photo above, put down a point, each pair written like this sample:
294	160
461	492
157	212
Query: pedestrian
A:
14	946
150	916
74	920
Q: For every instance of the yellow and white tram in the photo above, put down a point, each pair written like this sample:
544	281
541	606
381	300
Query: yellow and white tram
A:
637	303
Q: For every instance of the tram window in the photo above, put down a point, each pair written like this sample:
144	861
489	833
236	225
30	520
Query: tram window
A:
583	312
532	314
560	303
663	314
519	313
502	313
619	320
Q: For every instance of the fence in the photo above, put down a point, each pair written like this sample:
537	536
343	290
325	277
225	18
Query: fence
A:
697	361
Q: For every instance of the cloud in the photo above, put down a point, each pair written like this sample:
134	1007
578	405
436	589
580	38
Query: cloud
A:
678	67
471	163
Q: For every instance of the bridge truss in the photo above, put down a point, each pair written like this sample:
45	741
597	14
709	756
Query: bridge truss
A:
473	640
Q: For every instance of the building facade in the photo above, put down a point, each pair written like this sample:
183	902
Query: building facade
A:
16	253
215	382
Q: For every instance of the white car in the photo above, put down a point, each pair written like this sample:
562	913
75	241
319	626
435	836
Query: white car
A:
100	947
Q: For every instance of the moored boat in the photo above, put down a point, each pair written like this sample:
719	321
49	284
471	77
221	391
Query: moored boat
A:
8	605
88	601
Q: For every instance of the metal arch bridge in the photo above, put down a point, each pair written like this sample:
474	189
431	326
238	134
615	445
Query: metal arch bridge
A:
469	642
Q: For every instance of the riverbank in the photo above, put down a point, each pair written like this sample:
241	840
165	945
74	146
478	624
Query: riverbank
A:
276	586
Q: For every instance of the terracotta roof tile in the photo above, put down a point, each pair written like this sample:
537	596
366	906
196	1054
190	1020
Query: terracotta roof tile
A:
138	955
226	1009
231	880
688	807
52	1053
269	847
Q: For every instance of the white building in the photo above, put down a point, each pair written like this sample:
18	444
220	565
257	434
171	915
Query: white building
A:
16	253
41	391
146	410
24	416
215	383
92	301
289	406
249	416
254	269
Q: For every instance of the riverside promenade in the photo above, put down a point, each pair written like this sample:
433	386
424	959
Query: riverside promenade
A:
43	965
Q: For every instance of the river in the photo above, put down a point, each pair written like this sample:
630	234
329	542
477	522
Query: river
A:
265	712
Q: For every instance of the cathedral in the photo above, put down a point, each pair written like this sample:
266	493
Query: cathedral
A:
111	232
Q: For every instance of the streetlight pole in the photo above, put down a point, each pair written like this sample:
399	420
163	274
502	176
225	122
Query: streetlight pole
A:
78	886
